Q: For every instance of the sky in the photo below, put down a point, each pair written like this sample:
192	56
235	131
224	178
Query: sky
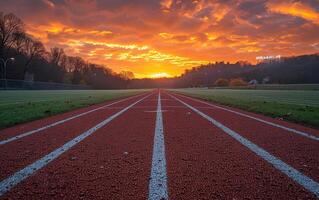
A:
155	38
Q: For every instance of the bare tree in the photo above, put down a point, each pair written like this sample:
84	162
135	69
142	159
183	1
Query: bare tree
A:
9	26
57	57
127	75
75	63
58	64
19	41
32	49
75	67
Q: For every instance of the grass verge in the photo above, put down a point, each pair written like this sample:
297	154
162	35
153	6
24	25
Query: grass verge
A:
23	106
302	114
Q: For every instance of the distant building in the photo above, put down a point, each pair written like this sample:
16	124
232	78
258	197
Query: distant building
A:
253	82
268	59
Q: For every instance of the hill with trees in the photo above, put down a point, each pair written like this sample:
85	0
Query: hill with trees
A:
290	70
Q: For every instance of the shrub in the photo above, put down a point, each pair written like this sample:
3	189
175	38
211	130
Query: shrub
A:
238	82
221	82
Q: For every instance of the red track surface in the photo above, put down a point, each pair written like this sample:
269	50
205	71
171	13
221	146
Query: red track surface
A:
202	161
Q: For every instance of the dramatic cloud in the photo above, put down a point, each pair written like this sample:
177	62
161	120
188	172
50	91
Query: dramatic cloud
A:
163	38
296	9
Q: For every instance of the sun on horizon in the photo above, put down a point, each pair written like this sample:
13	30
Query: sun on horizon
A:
160	75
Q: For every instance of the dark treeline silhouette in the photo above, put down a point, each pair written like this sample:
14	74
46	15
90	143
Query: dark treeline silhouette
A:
291	70
34	63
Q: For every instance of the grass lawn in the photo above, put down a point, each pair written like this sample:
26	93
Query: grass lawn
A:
277	87
299	106
22	106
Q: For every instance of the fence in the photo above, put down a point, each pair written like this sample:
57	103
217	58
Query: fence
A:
11	84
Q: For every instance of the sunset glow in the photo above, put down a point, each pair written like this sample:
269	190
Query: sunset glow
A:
156	38
160	75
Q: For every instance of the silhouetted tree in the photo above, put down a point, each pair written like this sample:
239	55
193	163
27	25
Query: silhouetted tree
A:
127	75
75	66
10	26
32	49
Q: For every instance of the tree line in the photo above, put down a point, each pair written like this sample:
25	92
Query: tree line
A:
302	69
288	70
34	62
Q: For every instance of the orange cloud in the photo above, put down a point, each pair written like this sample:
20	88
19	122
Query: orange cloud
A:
297	9
165	37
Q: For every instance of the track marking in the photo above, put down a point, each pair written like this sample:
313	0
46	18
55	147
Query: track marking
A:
16	178
304	134
291	172
158	179
153	111
11	139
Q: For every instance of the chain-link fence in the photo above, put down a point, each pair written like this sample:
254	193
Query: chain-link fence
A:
10	84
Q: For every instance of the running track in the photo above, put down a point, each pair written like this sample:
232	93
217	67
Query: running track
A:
159	145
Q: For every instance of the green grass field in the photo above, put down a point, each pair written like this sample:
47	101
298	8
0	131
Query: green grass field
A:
301	106
22	106
276	87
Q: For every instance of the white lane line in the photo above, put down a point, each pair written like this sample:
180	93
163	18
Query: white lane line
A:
13	180
158	179
11	139
304	134
291	172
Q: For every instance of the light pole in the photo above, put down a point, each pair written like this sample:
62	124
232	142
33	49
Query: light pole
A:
5	70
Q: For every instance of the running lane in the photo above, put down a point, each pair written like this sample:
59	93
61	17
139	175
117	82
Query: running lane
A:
203	162
112	163
296	150
57	119
19	153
